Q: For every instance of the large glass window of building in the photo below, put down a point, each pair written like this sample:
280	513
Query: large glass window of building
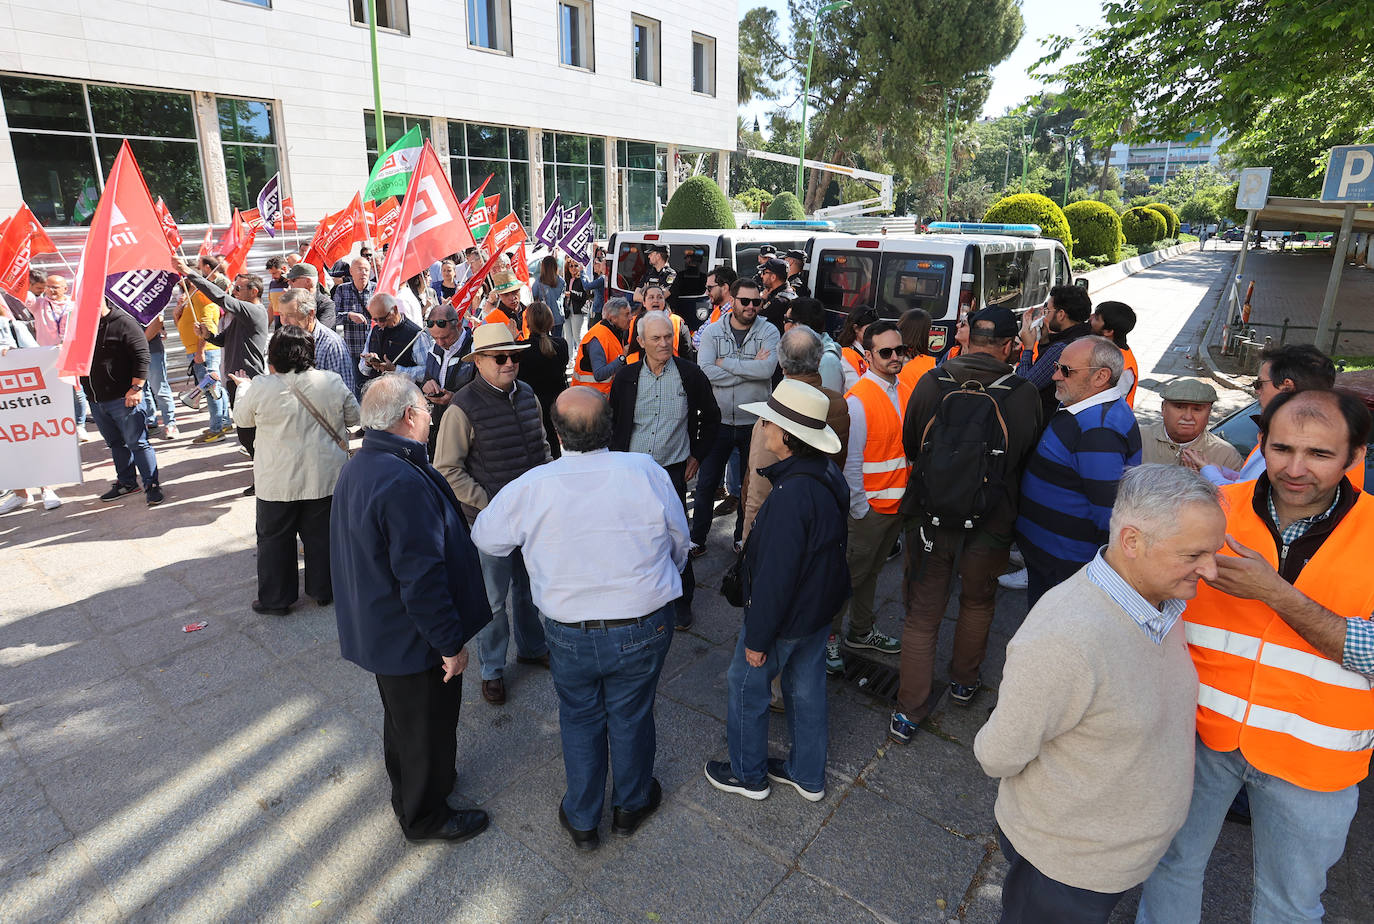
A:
643	183
247	130
395	125
478	150
575	169
575	33
65	135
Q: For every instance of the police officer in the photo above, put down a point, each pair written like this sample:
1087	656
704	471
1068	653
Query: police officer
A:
776	291
796	261
660	273
766	252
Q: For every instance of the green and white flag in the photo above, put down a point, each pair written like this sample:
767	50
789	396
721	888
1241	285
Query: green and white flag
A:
85	203
391	174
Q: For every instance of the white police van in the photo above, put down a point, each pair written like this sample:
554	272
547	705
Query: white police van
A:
694	253
955	268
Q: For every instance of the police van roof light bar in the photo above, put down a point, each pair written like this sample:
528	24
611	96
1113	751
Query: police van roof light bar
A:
983	227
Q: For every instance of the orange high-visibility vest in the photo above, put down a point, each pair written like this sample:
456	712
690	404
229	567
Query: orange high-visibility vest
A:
1134	366
885	467
915	367
612	347
498	316
1292	712
855	360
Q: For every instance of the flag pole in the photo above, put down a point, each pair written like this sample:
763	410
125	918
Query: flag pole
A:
377	119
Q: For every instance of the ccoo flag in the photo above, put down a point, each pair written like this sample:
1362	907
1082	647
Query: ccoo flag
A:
429	228
269	203
125	235
21	238
550	227
391	174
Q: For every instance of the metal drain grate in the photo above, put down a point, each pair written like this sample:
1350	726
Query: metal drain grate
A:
875	678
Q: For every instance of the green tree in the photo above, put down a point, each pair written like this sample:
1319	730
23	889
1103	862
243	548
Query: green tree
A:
785	207
758	71
1201	210
1170	218
1096	229
1136	183
697	203
1286	78
1030	208
1141	226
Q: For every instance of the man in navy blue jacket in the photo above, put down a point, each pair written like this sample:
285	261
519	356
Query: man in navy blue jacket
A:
795	579
408	595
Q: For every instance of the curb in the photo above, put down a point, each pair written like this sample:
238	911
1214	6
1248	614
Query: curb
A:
1110	275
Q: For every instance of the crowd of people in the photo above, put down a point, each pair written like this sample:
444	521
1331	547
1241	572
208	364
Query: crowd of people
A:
1198	623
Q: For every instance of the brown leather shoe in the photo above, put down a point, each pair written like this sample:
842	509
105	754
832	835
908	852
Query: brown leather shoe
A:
494	691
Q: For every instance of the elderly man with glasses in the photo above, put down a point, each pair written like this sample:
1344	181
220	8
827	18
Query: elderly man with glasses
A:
1070	481
445	372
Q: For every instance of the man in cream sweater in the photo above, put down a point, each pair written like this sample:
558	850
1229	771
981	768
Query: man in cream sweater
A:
1092	737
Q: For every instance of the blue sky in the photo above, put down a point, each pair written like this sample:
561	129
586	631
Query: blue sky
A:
1011	84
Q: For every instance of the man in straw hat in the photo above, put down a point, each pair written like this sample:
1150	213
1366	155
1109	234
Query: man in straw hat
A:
795	578
491	434
504	306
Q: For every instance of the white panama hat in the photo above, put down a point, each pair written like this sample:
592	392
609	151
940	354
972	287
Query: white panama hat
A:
799	409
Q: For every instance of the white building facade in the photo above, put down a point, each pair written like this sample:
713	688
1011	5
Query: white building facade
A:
599	101
1162	160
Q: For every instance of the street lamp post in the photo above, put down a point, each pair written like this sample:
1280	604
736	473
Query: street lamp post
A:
1068	162
806	88
1025	152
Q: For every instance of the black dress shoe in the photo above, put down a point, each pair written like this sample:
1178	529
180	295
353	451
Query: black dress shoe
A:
270	610
625	822
582	840
494	691
323	601
461	826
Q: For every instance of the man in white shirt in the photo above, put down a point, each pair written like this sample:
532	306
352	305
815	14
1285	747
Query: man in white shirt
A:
608	627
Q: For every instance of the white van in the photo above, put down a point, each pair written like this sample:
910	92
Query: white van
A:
694	253
958	267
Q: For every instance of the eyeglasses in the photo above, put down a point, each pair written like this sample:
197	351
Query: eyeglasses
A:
1259	383
441	323
420	407
1067	371
886	352
787	319
503	358
748	301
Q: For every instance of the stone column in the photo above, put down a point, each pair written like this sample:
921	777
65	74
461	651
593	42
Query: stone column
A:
672	170
723	172
438	136
612	186
538	195
212	159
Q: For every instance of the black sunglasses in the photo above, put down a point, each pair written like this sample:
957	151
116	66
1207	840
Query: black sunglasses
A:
748	301
441	323
1067	371
886	352
503	358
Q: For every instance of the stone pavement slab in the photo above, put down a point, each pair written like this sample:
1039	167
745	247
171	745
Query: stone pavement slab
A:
235	773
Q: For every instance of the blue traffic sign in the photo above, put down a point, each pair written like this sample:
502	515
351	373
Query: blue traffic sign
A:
1349	174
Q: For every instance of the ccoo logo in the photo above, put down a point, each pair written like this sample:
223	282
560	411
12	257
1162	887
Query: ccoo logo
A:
16	380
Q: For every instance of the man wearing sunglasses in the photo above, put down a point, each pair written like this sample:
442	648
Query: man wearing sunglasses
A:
491	434
445	372
1070	481
1066	316
773	276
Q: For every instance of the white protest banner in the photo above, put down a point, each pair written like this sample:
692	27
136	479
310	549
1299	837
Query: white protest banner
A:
38	444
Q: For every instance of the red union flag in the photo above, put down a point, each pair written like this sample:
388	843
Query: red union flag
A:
381	219
234	260
205	248
286	220
430	227
474	197
313	254
125	234
22	238
232	235
253	219
503	234
169	224
346	228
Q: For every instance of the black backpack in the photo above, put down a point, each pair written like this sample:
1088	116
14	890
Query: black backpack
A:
961	472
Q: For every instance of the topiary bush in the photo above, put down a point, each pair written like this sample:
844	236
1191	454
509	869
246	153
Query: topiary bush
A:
698	203
1143	226
1034	209
1170	217
785	207
1096	230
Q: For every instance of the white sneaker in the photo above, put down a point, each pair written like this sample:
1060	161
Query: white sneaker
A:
50	499
13	501
85	435
1015	580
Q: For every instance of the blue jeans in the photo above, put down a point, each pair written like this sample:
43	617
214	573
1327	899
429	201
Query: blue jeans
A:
219	407
125	430
157	393
1298	835
712	470
79	407
801	662
733	478
606	680
506	578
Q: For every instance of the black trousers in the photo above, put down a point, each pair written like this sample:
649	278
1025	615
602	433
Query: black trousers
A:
419	739
1031	897
247	435
677	472
279	523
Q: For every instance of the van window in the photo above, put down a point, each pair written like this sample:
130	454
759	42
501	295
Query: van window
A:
845	279
631	265
913	281
1063	274
1038	280
747	254
692	262
1004	279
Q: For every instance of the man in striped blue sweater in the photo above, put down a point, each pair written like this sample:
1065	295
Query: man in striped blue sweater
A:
1070	481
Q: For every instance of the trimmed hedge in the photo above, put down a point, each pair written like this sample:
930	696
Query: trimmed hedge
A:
1170	217
785	207
698	203
1096	229
1034	209
1143	225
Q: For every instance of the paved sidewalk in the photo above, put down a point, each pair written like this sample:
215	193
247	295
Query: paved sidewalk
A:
1292	283
235	773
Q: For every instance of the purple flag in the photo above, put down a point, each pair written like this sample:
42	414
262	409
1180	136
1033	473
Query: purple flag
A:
269	203
143	293
551	226
579	241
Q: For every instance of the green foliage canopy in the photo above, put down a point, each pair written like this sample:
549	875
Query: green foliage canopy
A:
1142	225
1032	208
1170	218
698	203
785	207
1096	229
